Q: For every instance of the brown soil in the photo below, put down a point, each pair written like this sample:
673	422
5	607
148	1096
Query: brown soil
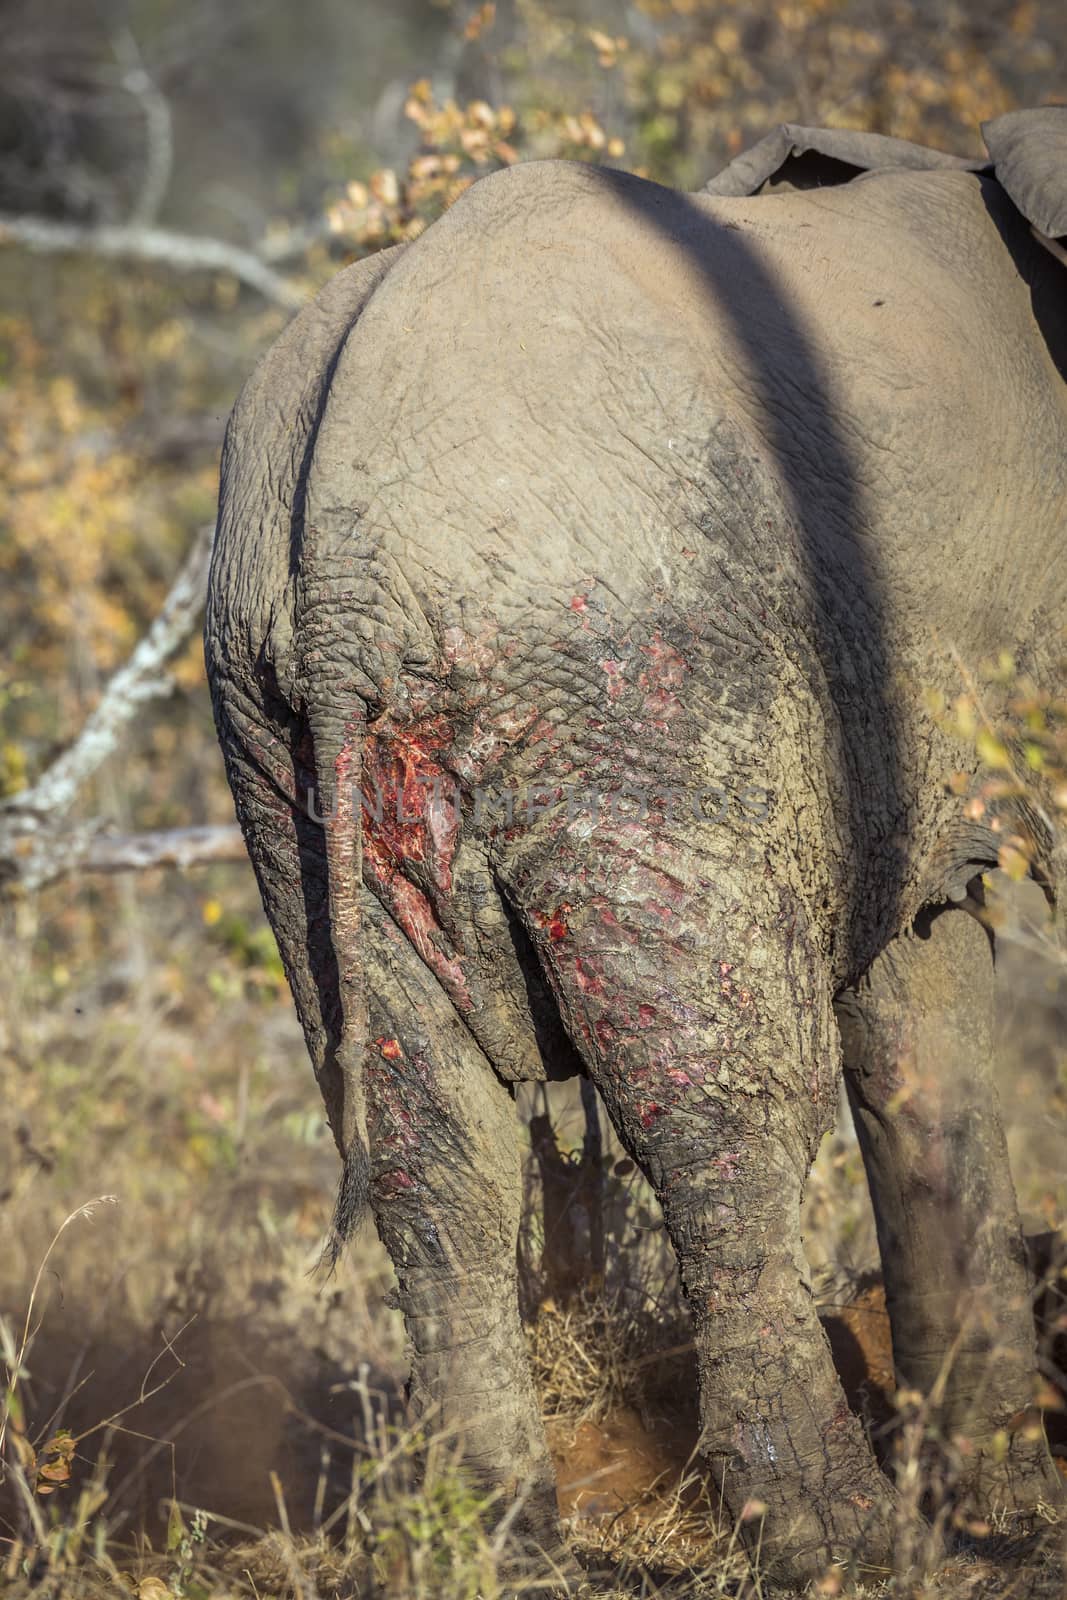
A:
862	1348
630	1465
605	1469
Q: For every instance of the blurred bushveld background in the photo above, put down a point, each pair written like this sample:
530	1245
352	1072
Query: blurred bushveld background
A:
189	1408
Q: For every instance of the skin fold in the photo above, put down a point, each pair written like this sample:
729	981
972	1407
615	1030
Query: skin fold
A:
658	518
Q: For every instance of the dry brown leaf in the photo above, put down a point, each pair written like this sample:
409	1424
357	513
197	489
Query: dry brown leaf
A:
153	1589
481	21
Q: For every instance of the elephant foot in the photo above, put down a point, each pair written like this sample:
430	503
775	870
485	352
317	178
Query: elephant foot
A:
1011	1473
810	1531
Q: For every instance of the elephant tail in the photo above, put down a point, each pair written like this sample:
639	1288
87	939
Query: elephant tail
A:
338	745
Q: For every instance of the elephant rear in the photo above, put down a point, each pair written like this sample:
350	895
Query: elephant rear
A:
576	590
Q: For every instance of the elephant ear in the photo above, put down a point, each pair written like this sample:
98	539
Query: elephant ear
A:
811	158
1029	151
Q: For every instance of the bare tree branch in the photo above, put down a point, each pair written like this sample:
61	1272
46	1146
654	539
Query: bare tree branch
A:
141	679
182	251
31	859
167	847
37	844
159	132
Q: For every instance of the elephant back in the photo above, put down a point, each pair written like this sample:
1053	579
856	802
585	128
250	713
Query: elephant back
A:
1027	156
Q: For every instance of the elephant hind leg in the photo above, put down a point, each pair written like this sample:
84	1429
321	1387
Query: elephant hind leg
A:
446	1184
705	1021
446	1188
918	1051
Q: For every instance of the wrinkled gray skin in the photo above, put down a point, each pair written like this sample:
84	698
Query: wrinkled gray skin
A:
599	486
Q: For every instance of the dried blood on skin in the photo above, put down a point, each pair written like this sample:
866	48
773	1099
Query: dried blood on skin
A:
404	1097
653	690
474	758
616	681
393	1182
415	915
473	655
667	668
410	830
619	930
586	979
554	922
660	680
413	764
405	779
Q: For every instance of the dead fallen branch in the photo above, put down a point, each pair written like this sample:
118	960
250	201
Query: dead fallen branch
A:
168	847
43	857
142	678
38	843
137	242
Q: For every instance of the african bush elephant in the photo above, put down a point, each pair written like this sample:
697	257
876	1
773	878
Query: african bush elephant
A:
609	542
